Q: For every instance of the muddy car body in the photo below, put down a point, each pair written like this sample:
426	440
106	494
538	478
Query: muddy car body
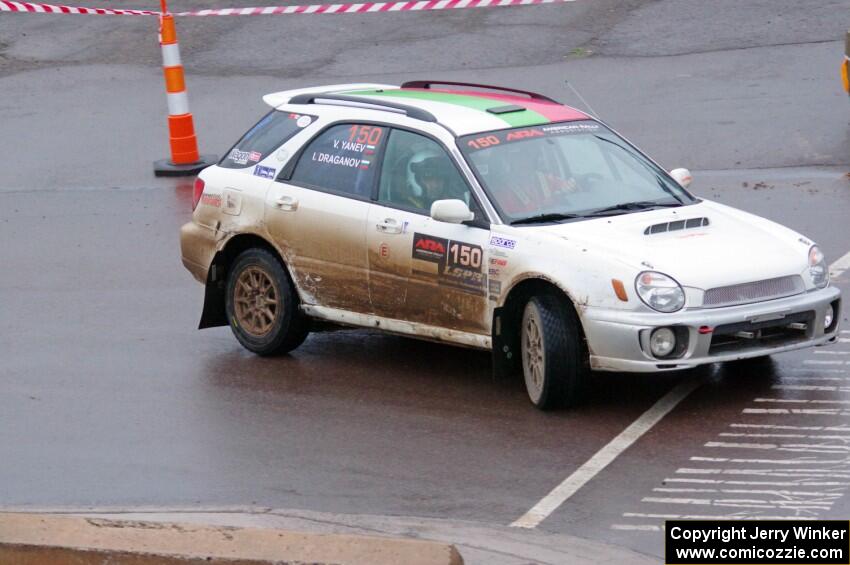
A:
494	219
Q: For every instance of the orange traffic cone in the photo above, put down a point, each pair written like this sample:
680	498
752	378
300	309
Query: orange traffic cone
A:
185	159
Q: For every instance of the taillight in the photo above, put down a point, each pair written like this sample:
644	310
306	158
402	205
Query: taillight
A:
197	191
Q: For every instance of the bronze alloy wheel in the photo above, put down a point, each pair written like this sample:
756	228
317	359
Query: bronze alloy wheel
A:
256	301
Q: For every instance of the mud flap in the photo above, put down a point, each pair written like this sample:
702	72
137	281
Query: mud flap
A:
505	350
214	314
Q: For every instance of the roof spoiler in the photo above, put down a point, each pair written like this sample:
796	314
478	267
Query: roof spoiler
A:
360	102
427	84
276	99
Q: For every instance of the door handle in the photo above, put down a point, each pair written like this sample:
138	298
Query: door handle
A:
389	225
286	203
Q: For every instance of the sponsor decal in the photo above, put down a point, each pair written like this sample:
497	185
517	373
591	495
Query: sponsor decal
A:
254	156
239	157
264	172
495	287
282	155
304	121
458	263
213	200
571	128
502	242
384	250
524	134
493	272
428	248
498	262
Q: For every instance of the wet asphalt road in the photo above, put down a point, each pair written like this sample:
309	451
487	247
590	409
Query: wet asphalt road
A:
110	397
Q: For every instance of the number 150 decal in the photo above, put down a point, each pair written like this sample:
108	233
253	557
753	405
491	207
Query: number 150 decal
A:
465	256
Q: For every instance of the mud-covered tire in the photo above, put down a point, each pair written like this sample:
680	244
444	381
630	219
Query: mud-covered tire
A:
262	306
553	354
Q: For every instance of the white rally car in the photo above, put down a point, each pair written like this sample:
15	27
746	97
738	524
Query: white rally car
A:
496	219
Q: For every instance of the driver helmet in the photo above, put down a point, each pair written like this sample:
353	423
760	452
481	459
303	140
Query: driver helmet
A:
427	163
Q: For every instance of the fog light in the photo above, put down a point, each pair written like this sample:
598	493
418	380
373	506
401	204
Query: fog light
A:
828	317
662	342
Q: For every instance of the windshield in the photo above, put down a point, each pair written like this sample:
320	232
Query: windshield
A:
566	170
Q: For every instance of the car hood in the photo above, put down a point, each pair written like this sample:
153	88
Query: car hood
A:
723	246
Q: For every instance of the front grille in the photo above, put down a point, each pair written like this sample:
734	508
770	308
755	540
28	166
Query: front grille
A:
741	336
753	291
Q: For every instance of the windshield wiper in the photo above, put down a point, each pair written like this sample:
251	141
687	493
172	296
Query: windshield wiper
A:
632	206
550	217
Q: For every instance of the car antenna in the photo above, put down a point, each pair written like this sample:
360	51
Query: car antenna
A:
583	101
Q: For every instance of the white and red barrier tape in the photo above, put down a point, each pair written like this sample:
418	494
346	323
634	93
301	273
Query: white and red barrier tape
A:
359	7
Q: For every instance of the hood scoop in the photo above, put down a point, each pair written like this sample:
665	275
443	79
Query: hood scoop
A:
676	226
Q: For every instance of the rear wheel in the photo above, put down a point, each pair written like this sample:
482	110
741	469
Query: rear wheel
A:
553	358
262	306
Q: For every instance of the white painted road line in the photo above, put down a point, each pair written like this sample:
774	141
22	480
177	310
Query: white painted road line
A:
822	388
786	436
820	377
805	411
823	362
830	352
795	461
736	516
796	474
800	401
638	528
794	483
606	455
786	427
838	267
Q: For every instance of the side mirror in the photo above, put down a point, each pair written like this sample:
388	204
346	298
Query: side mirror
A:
451	211
682	176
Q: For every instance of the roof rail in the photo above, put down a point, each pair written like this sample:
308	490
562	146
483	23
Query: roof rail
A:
409	111
429	83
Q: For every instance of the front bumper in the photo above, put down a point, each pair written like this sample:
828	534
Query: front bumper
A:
618	340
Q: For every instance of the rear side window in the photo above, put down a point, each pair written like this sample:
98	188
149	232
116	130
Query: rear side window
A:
269	134
342	159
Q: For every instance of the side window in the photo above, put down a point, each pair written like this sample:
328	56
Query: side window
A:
417	171
342	160
266	136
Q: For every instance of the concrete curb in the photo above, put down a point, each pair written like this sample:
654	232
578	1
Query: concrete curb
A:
34	539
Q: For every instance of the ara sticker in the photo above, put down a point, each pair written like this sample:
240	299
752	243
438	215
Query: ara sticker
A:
264	172
428	248
303	121
254	156
497	262
495	287
502	242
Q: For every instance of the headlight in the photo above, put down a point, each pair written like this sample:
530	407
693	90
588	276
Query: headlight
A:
659	292
818	269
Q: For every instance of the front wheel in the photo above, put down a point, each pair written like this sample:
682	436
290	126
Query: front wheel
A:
553	363
262	306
